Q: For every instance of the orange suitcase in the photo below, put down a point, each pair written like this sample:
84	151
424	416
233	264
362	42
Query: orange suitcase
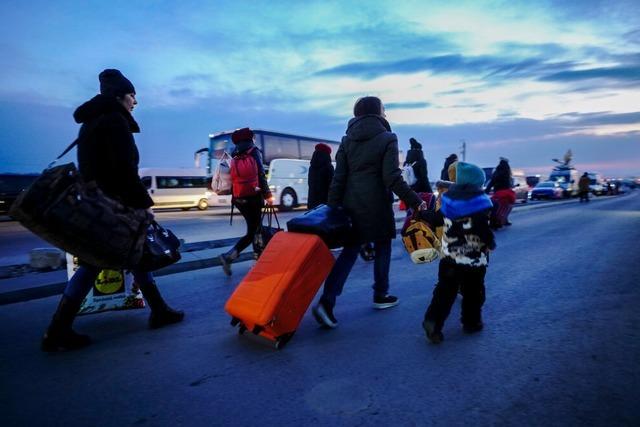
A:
272	298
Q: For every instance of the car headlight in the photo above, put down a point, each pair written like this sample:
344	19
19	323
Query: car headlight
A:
208	194
272	188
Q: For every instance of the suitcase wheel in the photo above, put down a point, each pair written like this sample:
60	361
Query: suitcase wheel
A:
282	340
257	329
242	329
234	321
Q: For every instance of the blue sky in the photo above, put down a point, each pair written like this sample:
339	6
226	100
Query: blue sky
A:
527	80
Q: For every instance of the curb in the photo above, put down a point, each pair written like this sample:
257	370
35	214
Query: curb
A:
45	291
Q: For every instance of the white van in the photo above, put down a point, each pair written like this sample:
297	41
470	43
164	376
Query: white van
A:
184	188
288	182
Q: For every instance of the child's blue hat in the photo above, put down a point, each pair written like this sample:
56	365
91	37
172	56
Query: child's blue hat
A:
467	173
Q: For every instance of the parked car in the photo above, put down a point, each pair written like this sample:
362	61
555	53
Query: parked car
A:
521	188
547	190
596	184
568	179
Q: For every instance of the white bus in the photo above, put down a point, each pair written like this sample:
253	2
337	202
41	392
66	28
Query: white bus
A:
183	188
286	158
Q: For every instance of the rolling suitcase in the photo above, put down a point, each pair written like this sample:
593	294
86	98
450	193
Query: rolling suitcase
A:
272	298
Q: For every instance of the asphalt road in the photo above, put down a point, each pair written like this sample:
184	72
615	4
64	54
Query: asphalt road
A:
561	346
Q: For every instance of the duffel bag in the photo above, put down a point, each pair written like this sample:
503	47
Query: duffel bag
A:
77	217
332	225
161	248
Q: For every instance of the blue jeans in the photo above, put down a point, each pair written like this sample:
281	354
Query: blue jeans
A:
85	276
338	276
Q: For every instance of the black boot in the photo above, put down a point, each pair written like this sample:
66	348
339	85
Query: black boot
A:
226	259
60	336
161	314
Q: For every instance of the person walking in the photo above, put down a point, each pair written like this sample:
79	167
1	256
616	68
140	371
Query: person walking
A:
444	174
107	155
367	171
503	195
249	188
320	176
583	187
466	244
415	158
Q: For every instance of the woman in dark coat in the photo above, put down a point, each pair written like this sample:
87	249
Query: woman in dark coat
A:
366	173
415	157
320	176
107	154
444	174
501	178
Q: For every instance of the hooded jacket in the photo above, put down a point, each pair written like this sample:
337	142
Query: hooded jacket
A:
107	152
467	237
501	178
320	176
367	171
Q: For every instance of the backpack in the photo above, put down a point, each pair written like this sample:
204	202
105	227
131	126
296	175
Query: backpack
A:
408	174
244	174
421	242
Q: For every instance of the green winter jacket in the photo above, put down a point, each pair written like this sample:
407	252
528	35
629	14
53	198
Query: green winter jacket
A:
366	173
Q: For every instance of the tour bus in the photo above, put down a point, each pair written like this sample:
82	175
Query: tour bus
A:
183	188
286	158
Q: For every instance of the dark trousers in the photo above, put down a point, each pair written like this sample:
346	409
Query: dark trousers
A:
335	281
452	278
251	210
584	195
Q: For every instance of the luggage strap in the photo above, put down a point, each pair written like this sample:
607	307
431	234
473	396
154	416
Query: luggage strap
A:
89	131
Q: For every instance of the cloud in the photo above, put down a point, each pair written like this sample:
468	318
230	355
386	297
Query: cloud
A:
491	67
405	105
602	118
622	73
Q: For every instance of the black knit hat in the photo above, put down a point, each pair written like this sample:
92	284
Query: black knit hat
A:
415	144
113	83
368	105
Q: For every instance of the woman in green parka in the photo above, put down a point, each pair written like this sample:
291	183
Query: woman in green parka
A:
367	172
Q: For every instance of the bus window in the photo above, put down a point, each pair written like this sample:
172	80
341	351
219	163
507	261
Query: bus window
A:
307	148
278	147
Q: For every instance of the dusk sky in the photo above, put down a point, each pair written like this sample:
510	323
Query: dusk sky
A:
526	80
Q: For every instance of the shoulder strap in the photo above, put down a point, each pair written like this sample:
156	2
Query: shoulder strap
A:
89	131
